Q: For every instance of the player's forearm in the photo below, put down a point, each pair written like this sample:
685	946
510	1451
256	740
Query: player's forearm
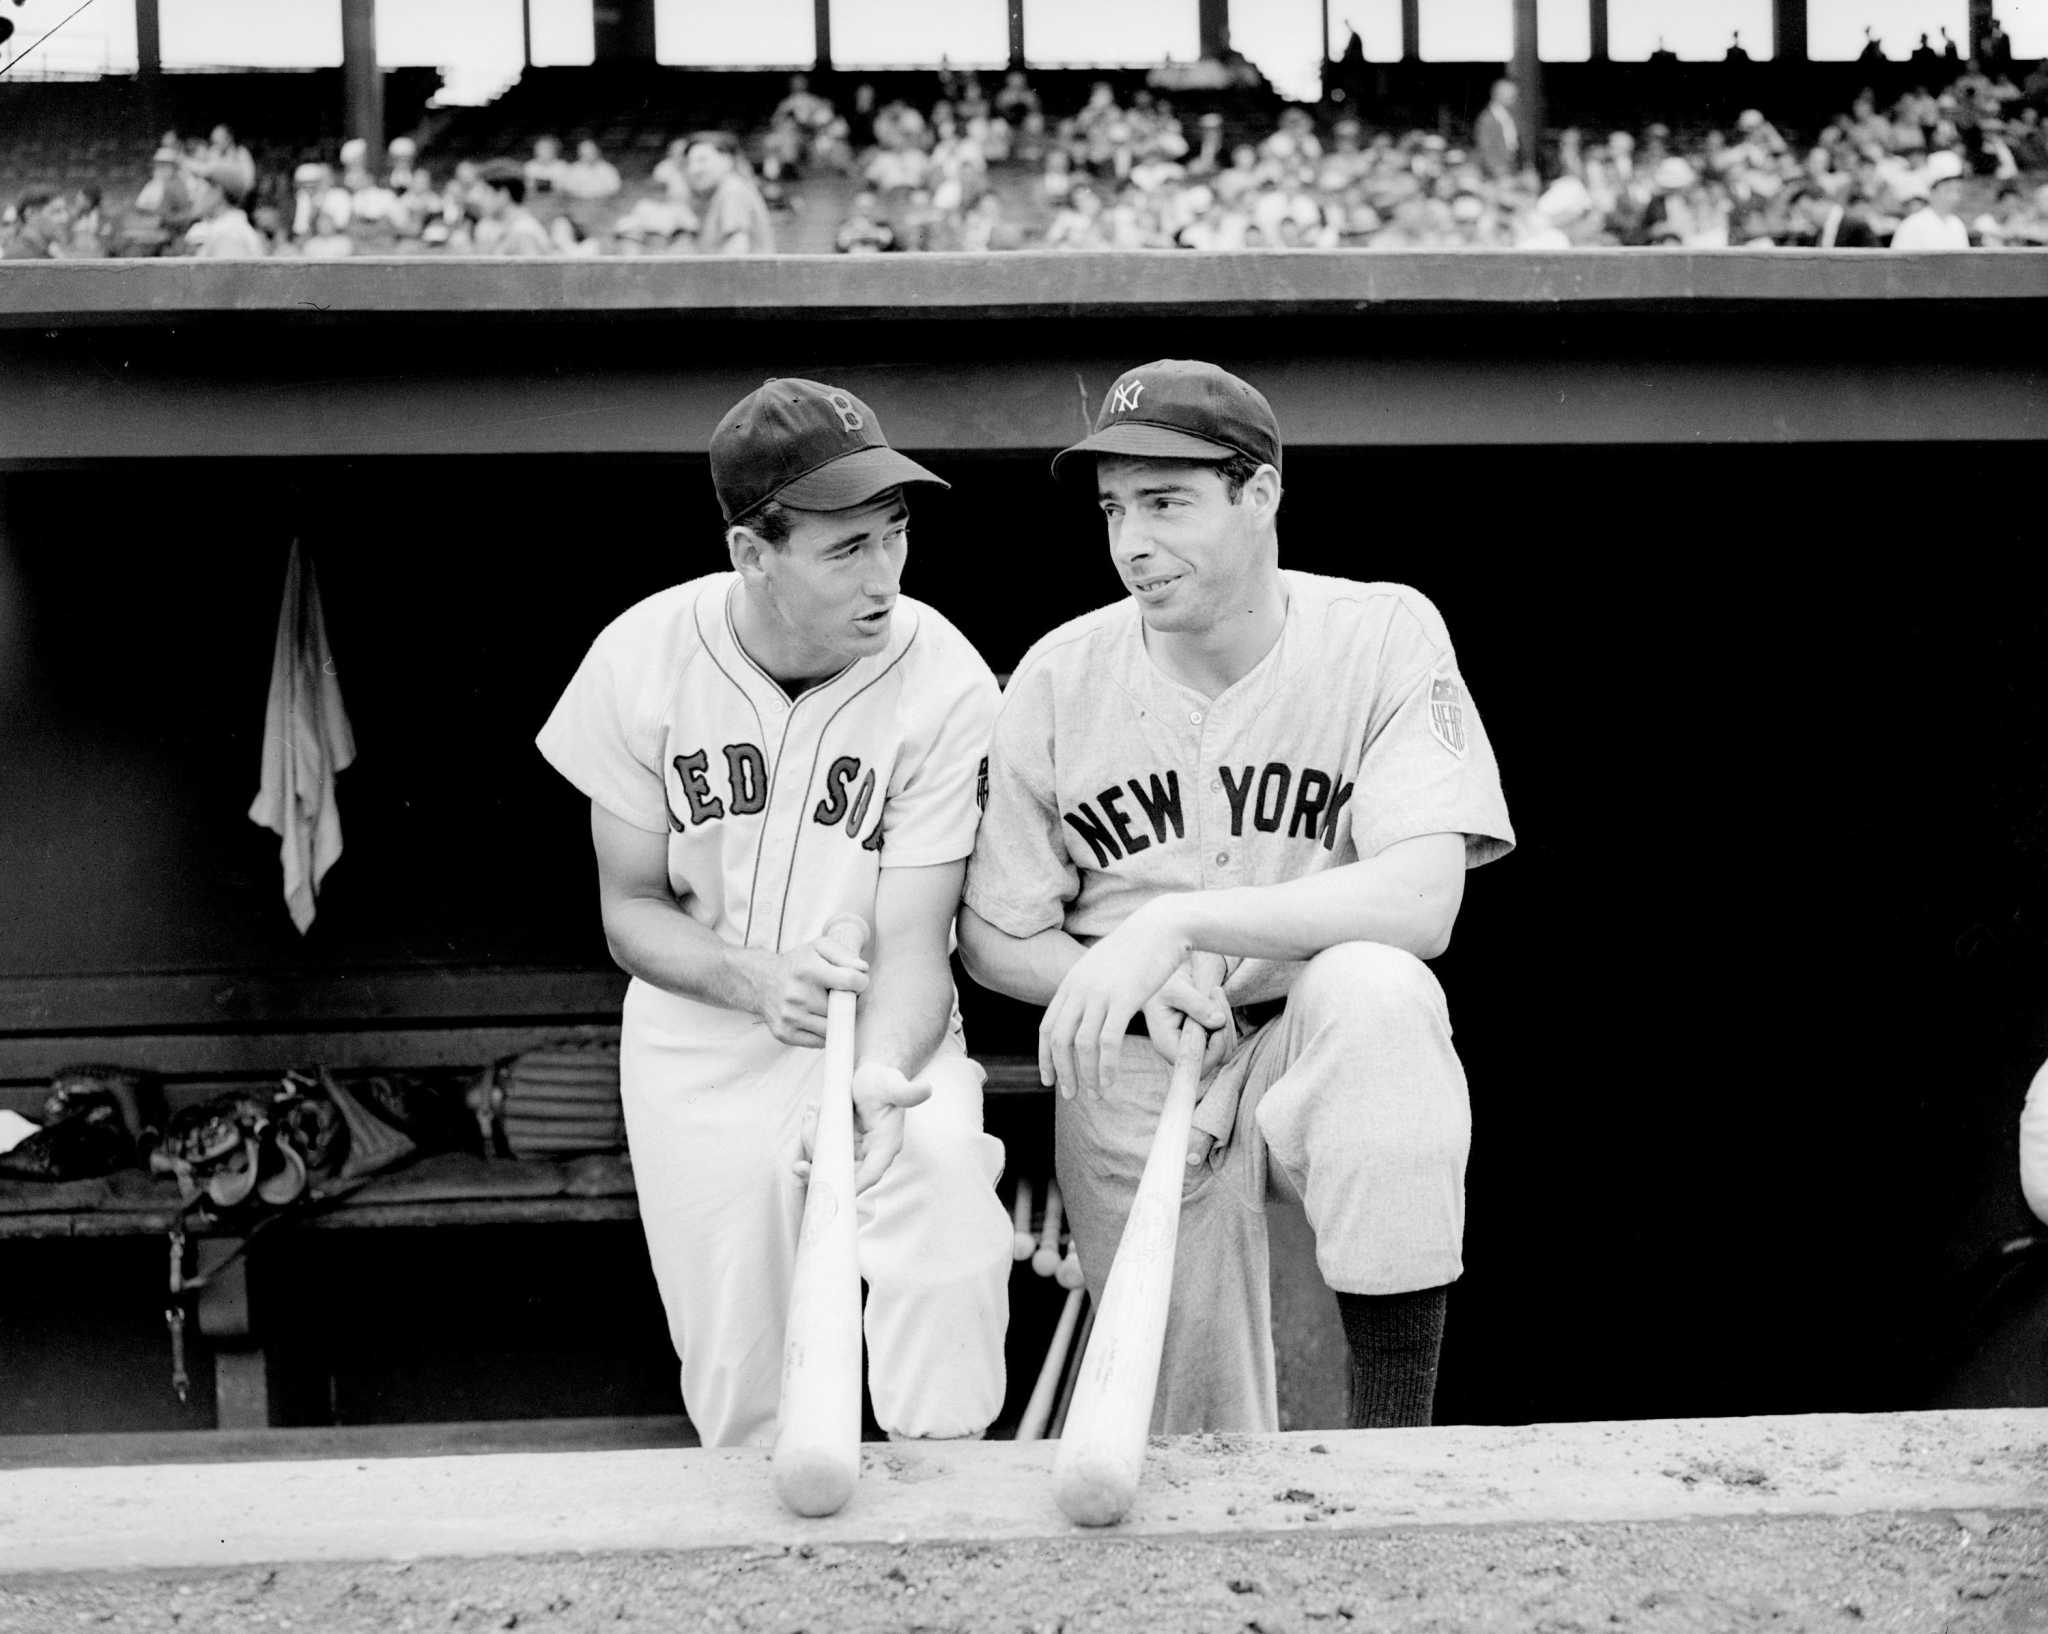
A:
1409	902
905	1011
666	948
1029	968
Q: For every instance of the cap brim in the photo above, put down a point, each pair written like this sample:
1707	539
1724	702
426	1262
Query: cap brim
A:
1141	441
852	479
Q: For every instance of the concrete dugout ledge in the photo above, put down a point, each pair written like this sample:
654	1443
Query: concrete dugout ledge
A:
357	1509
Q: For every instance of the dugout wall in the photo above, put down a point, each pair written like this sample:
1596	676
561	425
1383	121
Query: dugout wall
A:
1737	550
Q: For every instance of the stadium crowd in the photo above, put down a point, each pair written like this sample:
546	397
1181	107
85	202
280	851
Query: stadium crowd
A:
1963	165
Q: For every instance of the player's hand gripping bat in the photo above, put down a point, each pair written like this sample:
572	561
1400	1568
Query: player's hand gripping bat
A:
1102	1446
817	1441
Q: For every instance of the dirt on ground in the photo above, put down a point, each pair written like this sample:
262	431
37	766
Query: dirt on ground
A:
1956	1572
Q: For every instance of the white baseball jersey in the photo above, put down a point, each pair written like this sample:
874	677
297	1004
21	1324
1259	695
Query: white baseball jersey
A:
779	814
1109	782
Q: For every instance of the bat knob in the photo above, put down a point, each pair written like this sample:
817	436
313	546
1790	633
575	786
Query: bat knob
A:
1068	1275
813	1480
1024	1246
1093	1491
1045	1261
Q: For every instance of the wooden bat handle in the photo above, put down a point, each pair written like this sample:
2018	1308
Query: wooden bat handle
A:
1031	1427
1020	1220
1045	1259
1102	1446
817	1443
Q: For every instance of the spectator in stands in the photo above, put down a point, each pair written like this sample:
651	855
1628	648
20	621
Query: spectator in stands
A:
985	230
543	171
592	178
1938	224
315	194
356	174
1016	99
897	166
328	240
2027	142
375	216
232	161
568	238
87	240
223	231
732	218
42	222
671	175
401	164
805	112
865	231
162	209
505	226
1078	224
1496	136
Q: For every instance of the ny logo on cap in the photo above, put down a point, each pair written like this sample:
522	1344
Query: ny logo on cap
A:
1124	397
849	411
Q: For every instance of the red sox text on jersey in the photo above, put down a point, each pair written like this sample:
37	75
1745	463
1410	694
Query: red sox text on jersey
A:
746	785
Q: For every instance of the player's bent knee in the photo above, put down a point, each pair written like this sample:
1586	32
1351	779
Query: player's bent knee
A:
1364	981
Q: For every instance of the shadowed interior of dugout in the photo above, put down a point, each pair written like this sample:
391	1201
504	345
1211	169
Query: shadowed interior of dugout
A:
1745	1015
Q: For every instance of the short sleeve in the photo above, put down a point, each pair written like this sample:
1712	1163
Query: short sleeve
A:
932	810
597	739
1020	878
1427	765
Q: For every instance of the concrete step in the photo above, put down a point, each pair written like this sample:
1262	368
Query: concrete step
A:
59	1520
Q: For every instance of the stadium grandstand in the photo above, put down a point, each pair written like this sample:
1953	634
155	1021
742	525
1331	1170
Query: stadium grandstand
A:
1933	145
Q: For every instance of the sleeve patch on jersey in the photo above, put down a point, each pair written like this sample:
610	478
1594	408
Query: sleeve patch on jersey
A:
981	785
1447	712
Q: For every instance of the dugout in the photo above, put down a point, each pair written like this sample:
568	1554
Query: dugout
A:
1739	551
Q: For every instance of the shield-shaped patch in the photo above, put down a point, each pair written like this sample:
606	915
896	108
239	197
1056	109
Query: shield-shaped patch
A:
1447	712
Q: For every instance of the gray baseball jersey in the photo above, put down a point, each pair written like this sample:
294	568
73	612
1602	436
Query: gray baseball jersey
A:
1109	782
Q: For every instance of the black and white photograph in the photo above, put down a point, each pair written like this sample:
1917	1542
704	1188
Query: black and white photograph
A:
1024	816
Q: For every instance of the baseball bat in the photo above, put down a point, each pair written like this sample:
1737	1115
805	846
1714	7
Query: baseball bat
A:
817	1440
1020	1220
1045	1258
1102	1446
1031	1427
1076	1357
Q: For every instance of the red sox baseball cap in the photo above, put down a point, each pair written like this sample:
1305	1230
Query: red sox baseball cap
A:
1178	409
818	448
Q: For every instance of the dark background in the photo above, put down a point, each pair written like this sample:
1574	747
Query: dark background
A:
1748	1015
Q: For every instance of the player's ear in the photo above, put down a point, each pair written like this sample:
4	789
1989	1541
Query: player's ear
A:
1262	492
746	547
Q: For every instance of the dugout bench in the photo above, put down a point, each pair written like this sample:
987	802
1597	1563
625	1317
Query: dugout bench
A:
259	1028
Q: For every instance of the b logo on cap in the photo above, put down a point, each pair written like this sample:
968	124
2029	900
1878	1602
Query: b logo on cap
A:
1124	398
849	411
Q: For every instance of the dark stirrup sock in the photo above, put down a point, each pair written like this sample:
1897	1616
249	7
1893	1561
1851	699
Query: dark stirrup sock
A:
1394	1339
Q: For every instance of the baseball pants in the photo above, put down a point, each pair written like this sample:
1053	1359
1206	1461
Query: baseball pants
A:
1352	1100
714	1124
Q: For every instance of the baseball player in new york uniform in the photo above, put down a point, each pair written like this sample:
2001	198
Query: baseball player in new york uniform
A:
764	749
1285	770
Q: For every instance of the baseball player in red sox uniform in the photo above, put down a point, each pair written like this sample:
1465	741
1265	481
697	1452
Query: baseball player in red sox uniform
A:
1286	770
763	749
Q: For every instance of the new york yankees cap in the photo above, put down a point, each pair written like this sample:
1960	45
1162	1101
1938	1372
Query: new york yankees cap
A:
1178	409
818	448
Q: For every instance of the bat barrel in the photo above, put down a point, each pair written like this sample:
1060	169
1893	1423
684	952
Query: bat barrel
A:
1102	1445
817	1445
